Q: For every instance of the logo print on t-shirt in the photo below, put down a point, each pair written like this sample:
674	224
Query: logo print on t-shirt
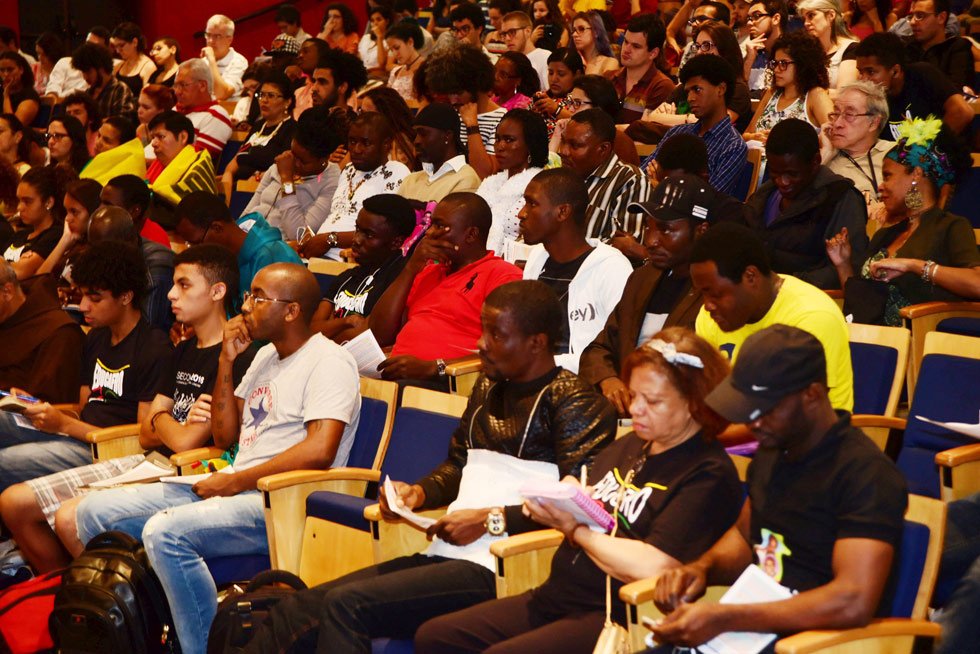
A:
257	408
770	553
106	382
634	500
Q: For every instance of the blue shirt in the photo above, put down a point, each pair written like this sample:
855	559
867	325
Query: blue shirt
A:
726	152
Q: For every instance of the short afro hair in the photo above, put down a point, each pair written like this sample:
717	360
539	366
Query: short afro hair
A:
683	151
532	305
712	68
316	130
565	186
201	208
218	265
457	68
886	47
345	68
793	136
602	124
732	248
469	11
395	209
135	191
90	56
114	267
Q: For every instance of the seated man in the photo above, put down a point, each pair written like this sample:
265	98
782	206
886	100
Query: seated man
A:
960	565
203	218
442	297
915	90
117	152
112	97
204	284
443	157
296	407
337	75
383	225
225	65
802	205
38	338
850	145
123	367
686	153
658	294
639	83
824	513
526	419
587	148
743	295
710	82
588	279
131	193
194	87
929	43
179	169
369	173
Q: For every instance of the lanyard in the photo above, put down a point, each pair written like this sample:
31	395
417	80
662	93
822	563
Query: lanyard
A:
872	177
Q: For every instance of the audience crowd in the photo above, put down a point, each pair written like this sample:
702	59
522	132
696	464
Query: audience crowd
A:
653	219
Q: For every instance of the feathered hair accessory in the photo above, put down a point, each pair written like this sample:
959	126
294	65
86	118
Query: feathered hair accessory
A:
916	148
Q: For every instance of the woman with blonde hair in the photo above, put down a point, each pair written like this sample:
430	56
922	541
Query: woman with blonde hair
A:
825	22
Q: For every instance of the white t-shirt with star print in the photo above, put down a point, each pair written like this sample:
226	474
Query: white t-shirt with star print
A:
316	382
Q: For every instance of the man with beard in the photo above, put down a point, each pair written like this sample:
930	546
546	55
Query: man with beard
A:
337	75
767	21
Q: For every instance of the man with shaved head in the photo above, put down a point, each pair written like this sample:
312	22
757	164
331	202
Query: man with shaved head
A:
440	291
296	408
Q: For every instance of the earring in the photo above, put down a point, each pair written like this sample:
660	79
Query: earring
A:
913	198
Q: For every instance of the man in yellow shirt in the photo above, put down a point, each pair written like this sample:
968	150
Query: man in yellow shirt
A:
742	296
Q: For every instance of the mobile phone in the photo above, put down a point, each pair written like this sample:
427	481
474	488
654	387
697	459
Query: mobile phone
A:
649	622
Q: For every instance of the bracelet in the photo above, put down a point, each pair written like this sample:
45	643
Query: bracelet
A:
154	418
332	239
927	269
472	129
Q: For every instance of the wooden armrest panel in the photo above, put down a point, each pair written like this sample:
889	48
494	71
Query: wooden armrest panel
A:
929	308
198	454
958	455
814	641
867	420
464	367
638	592
372	513
296	477
523	543
112	433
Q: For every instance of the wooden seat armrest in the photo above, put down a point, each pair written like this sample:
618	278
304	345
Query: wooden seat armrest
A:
958	456
464	367
523	543
868	420
929	308
112	433
295	477
638	592
197	454
372	513
819	640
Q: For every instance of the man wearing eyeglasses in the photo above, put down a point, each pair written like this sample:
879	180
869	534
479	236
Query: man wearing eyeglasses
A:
639	83
227	66
194	87
468	25
953	56
516	31
766	21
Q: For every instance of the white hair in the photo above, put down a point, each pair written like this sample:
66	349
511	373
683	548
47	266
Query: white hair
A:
222	22
199	70
874	95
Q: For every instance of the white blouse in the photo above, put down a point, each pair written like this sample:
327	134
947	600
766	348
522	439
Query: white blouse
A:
505	195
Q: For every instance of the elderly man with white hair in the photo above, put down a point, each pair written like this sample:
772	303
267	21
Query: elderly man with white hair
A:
849	143
227	66
194	87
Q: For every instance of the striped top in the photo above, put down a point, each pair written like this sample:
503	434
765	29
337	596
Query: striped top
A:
612	187
726	152
488	128
212	127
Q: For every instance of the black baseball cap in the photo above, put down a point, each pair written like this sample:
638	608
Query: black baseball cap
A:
772	364
438	115
678	197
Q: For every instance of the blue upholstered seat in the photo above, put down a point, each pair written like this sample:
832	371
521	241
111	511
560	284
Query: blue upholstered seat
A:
962	326
874	370
912	559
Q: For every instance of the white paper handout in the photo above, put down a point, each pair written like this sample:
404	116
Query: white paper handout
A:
752	587
973	431
146	471
367	353
190	480
410	516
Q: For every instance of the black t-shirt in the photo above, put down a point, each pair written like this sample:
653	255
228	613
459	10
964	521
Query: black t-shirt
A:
845	487
42	244
254	158
925	92
26	93
558	276
681	501
954	57
121	376
357	290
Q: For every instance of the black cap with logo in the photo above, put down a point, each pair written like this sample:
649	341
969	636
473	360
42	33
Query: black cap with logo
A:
678	197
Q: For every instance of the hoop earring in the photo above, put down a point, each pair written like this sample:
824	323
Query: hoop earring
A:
913	198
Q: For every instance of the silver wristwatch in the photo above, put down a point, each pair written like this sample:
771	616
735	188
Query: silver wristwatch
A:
496	523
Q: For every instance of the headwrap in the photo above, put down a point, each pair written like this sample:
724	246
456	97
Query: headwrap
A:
917	148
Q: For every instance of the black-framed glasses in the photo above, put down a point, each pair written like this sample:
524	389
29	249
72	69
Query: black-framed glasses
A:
704	46
578	104
848	116
756	17
511	32
248	295
51	136
781	64
581	29
462	30
697	20
272	96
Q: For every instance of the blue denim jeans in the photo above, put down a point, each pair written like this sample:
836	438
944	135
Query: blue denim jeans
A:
28	453
180	531
961	560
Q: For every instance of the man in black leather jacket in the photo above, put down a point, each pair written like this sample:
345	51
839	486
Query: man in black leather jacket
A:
526	419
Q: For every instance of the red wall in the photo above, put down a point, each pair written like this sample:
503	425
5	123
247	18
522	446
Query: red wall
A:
10	16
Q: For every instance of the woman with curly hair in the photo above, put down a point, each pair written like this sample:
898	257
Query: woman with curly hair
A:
67	144
798	87
515	81
464	76
339	28
387	101
592	43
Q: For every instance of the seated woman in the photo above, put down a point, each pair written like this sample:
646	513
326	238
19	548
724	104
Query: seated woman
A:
39	197
387	101
592	43
82	198
153	99
515	81
15	143
117	152
404	39
869	16
564	65
550	31
339	28
134	68
590	91
296	192
66	143
246	111
825	22
681	494
166	55
270	135
522	153
49	48
18	96
372	49
81	105
922	254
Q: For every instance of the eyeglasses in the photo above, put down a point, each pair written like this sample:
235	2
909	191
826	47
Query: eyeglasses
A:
258	300
846	115
51	136
510	33
183	85
272	96
462	30
756	17
704	46
697	20
581	30
781	64
919	16
578	104
214	37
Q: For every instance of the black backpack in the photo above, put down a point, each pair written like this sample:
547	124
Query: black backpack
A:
110	602
242	611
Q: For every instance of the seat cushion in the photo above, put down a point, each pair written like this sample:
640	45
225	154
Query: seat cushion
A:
226	569
961	326
874	371
389	646
912	558
343	509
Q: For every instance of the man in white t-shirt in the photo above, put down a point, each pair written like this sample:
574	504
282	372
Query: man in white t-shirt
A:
516	30
296	407
227	66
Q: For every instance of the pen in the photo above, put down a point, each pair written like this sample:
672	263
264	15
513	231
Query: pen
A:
26	398
583	477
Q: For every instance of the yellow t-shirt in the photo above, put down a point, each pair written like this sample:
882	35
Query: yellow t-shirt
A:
802	305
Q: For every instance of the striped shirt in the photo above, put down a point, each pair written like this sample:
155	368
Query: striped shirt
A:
212	127
115	99
612	187
726	152
488	128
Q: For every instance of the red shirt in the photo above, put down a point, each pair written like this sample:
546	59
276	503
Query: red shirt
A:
154	232
444	310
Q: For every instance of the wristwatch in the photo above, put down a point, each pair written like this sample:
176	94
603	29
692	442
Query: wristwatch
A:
288	188
496	523
473	129
332	239
441	367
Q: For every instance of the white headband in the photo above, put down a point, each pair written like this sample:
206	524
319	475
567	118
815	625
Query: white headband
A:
672	356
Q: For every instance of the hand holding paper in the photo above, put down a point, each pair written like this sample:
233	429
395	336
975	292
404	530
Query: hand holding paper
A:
391	495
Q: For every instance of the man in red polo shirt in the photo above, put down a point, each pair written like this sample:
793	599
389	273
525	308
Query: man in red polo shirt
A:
431	312
194	88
